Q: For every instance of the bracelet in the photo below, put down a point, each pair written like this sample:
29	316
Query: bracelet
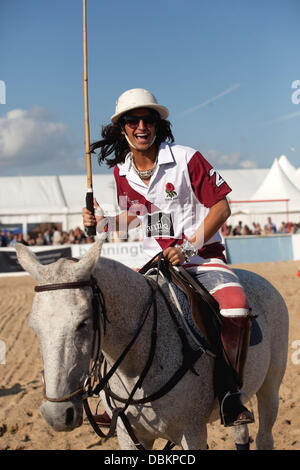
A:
188	249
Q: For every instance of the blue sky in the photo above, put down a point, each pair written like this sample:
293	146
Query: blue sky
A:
224	68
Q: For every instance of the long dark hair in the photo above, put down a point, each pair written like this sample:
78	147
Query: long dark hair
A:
115	142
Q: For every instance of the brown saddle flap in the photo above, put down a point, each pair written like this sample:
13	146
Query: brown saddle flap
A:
204	308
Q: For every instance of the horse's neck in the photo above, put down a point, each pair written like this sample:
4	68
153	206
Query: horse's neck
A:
126	295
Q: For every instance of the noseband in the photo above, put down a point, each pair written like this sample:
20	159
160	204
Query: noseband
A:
97	301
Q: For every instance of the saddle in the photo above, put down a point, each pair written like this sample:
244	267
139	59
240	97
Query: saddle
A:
204	308
228	339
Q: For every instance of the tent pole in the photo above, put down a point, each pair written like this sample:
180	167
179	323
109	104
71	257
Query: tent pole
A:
287	216
24	229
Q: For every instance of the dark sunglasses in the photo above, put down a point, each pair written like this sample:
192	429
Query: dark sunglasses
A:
133	121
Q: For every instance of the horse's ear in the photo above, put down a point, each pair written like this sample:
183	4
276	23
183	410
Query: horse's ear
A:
88	262
29	261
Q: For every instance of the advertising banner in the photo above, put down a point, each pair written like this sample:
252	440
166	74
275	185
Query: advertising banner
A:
129	253
46	255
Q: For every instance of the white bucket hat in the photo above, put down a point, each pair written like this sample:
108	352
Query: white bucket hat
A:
137	98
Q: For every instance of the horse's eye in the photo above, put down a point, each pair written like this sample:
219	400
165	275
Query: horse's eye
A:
82	325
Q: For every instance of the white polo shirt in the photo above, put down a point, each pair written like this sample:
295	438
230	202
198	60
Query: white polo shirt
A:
180	192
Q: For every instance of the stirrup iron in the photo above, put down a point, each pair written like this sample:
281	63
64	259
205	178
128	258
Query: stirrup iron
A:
229	394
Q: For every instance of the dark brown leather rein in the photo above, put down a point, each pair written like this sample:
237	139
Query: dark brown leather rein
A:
89	389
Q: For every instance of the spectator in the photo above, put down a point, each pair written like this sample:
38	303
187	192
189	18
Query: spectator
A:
246	230
238	229
79	235
47	237
40	239
8	237
294	228
2	239
283	228
270	227
64	238
20	239
71	238
30	240
256	229
227	230
13	240
56	237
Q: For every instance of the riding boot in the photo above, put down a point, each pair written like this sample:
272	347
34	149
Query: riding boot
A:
229	370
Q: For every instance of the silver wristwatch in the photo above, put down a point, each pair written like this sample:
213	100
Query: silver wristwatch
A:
188	249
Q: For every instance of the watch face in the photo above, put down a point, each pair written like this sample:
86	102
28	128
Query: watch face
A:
189	253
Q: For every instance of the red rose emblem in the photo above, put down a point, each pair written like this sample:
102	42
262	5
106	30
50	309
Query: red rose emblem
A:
170	190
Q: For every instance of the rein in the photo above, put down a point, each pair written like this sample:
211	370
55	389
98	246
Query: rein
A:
89	388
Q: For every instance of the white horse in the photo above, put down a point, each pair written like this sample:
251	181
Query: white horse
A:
63	322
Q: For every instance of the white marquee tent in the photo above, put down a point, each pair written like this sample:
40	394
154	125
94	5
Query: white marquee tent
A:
28	199
287	167
53	199
277	196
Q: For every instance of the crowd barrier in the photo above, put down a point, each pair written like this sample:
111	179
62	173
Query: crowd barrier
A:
131	254
262	249
239	249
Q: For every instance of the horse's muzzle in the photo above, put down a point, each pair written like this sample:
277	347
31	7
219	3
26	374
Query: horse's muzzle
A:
64	416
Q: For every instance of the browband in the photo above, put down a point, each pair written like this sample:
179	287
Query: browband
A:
64	285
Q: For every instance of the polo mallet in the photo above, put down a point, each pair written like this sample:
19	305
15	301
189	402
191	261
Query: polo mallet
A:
89	199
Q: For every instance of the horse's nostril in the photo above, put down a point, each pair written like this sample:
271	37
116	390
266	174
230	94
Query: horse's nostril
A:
69	416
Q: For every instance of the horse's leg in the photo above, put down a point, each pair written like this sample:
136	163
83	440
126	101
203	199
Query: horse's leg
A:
126	443
267	401
240	435
194	437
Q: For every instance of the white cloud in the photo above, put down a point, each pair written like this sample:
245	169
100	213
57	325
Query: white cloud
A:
210	100
285	117
30	138
248	164
228	161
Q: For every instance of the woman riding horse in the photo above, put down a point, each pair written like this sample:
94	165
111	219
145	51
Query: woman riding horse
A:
180	201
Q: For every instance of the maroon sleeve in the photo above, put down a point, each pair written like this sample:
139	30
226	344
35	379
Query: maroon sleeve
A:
122	197
209	187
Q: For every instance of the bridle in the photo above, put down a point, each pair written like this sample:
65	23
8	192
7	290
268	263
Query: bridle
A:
98	305
94	383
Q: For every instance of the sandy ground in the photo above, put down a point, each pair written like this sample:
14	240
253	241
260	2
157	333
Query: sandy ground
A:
21	424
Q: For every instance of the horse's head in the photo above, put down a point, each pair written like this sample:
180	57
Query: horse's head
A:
63	322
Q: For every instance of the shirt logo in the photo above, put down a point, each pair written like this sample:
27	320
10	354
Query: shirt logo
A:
170	191
159	225
219	179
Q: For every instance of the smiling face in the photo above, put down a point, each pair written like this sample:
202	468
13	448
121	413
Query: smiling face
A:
140	133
